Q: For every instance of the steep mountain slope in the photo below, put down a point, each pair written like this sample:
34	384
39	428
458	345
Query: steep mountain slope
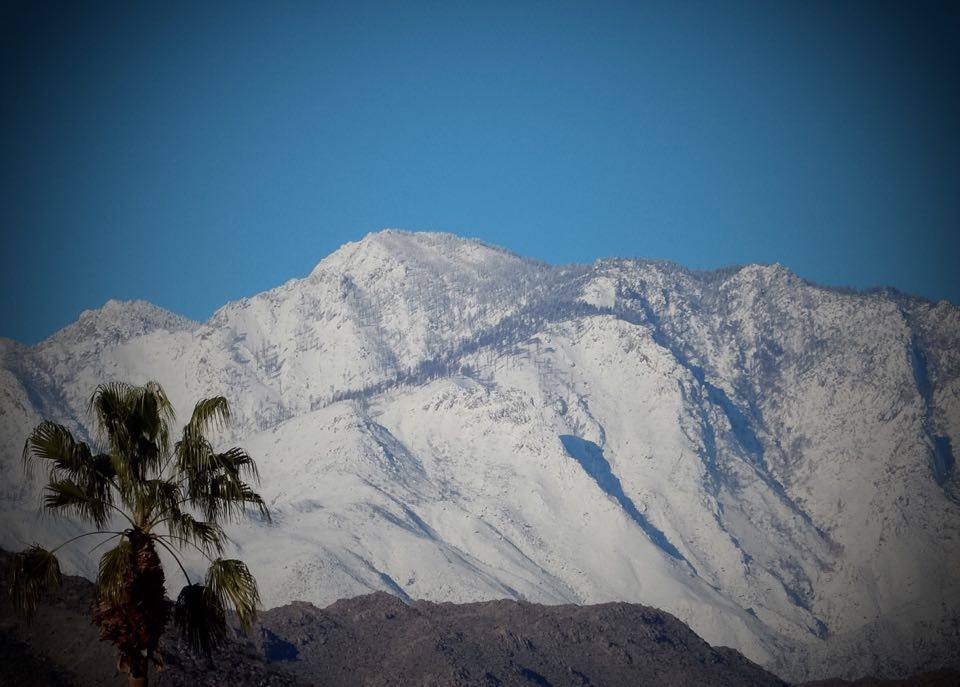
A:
768	460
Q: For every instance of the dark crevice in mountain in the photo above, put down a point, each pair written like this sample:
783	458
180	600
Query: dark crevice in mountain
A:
414	529
823	630
708	456
740	424
276	648
404	463
413	523
942	459
388	582
591	459
534	678
921	375
367	312
796	598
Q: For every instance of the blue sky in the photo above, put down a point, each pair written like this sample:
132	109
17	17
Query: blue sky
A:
192	155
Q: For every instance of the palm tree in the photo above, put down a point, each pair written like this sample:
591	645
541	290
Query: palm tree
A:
151	490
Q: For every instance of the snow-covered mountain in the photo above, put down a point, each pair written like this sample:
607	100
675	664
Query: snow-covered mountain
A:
769	460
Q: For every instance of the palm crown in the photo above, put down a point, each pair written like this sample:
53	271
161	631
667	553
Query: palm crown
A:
171	498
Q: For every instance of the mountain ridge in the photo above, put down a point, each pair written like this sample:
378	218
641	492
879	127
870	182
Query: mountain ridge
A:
376	639
709	274
793	445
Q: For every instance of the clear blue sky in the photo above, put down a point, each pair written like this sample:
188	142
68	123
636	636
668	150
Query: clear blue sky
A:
192	155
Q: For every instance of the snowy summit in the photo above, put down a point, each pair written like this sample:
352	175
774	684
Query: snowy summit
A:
769	460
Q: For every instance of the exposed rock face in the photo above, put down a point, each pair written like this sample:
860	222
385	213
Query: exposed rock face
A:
770	461
378	640
936	678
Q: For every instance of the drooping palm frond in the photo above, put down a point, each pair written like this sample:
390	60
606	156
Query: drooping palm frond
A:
69	459
135	420
157	414
230	581
209	537
100	476
214	481
35	571
109	404
116	566
194	449
237	463
65	456
55	443
210	413
226	498
194	454
155	497
67	495
200	619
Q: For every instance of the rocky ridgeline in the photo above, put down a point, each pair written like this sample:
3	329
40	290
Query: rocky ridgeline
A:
767	460
377	639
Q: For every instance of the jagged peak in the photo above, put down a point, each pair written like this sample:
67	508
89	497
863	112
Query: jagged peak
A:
120	320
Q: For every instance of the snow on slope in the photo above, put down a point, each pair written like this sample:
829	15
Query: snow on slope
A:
769	460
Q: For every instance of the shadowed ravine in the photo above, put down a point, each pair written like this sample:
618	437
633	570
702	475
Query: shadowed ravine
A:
590	457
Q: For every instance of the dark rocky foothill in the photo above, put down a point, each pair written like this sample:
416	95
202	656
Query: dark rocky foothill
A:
377	639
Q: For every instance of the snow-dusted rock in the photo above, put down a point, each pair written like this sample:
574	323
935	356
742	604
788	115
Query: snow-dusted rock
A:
769	460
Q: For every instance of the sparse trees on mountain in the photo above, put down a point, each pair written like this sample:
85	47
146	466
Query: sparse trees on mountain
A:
144	495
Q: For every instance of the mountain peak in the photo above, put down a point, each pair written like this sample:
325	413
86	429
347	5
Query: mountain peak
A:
443	419
425	248
118	321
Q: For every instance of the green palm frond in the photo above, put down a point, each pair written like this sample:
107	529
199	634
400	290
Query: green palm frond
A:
55	443
209	537
69	459
200	619
101	467
67	495
156	497
35	571
157	412
237	462
194	454
214	480
135	420
116	566
152	416
210	413
109	404
194	451
66	456
226	498
231	582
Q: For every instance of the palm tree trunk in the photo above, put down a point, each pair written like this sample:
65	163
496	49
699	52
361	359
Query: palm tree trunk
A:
137	681
135	621
135	668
